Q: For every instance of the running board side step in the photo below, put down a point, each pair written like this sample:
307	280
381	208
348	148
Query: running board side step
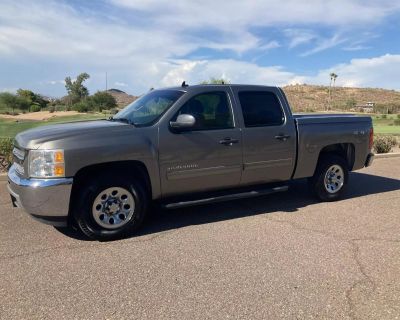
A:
234	196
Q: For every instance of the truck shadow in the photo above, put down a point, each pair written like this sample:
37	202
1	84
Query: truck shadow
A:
297	197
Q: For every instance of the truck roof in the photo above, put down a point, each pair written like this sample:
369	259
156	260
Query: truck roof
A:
189	88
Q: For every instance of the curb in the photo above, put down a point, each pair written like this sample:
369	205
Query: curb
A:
387	155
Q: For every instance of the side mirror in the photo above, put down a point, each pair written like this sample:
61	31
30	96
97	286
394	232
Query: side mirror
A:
183	122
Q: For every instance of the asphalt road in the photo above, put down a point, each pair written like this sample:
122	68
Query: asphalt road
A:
283	256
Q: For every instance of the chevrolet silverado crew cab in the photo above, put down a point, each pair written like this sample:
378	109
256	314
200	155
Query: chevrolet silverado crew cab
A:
181	146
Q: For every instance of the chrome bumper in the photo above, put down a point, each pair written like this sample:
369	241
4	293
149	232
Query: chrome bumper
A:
45	199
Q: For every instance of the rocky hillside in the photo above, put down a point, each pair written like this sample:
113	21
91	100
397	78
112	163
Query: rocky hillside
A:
123	99
311	98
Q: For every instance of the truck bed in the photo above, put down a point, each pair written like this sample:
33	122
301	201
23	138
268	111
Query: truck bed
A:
320	118
314	131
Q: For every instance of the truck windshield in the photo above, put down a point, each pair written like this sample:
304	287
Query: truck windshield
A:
148	109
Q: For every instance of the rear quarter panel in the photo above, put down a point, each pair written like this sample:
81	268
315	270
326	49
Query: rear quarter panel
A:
318	131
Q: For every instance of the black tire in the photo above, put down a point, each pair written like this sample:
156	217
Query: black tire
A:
317	182
84	217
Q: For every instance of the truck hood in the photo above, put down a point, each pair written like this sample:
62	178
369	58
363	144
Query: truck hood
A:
34	138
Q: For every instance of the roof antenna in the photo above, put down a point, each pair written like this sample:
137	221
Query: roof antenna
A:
184	84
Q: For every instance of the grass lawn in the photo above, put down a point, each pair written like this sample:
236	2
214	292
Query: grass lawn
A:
386	125
382	129
9	127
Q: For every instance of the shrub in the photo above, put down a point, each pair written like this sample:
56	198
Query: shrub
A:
82	106
59	107
398	116
35	108
11	101
52	109
396	122
384	116
384	144
103	100
6	147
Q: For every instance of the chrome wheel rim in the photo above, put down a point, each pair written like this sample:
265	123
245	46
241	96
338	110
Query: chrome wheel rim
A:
113	208
334	179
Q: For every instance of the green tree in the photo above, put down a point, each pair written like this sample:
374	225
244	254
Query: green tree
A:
213	80
7	101
76	90
11	101
27	94
103	101
36	101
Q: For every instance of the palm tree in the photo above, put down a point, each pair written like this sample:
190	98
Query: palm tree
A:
333	77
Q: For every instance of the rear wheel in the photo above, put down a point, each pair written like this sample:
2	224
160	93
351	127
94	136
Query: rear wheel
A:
110	207
330	179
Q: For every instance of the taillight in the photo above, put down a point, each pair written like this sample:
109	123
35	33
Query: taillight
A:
371	138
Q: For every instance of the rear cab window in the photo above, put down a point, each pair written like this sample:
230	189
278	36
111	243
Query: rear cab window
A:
261	109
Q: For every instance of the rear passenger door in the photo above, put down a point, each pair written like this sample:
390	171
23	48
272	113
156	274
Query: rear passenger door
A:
269	136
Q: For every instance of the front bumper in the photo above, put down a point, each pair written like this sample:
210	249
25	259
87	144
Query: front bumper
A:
46	200
370	159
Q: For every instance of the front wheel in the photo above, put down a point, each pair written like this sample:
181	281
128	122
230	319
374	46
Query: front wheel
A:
330	178
110	207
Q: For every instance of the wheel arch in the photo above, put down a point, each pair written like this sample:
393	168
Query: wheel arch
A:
133	169
344	150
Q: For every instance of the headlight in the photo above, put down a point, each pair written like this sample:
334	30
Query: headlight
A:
46	163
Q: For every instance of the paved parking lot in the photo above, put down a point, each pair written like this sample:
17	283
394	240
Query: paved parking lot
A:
281	256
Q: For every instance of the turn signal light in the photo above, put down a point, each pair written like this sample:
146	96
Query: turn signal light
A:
59	170
59	157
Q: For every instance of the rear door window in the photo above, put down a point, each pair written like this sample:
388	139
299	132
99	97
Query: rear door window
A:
261	108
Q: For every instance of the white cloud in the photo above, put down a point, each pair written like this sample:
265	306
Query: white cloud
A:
379	72
235	71
356	48
12	90
299	37
52	29
143	52
55	82
120	84
373	72
237	13
324	44
270	45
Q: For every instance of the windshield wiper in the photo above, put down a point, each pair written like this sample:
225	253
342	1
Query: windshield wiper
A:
125	120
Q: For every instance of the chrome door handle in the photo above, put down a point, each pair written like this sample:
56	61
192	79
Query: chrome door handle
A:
282	137
228	141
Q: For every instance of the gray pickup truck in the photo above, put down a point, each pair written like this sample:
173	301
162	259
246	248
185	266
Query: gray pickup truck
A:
182	146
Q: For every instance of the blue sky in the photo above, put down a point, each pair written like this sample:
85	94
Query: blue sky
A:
149	43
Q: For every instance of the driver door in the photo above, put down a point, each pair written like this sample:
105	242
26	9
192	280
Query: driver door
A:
206	157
